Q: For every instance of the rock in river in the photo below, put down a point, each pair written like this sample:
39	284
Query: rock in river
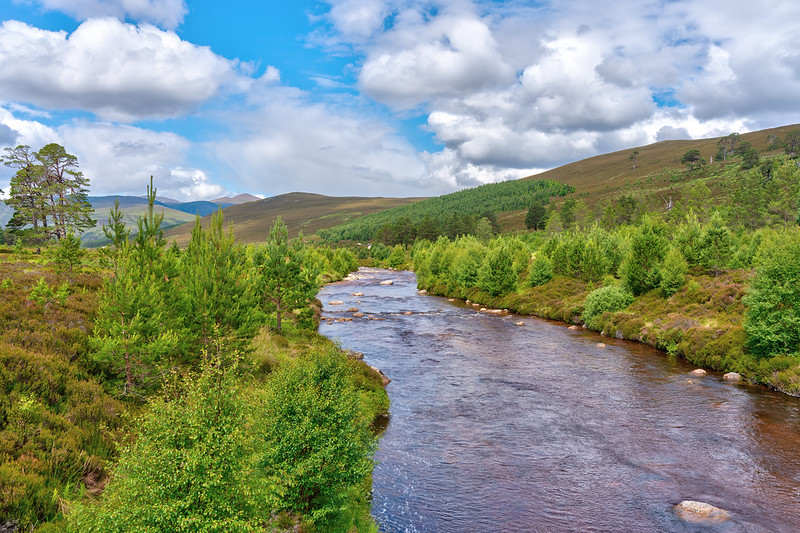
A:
732	376
699	372
387	282
336	302
692	511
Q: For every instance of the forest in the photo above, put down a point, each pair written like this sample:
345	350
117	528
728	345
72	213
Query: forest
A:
149	388
450	215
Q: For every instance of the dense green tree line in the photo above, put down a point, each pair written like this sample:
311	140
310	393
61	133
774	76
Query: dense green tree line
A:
447	215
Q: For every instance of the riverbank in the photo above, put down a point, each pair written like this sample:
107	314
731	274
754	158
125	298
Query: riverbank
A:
500	426
701	322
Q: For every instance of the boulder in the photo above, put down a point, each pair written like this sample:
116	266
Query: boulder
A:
387	282
336	302
408	313
618	334
698	372
356	294
520	323
451	299
423	291
701	512
573	327
353	310
601	345
734	377
383	376
484	309
358	315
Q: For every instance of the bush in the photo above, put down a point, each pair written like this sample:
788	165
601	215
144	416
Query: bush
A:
192	468
772	320
317	443
673	272
541	271
611	298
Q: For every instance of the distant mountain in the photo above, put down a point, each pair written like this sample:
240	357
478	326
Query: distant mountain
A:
238	199
304	212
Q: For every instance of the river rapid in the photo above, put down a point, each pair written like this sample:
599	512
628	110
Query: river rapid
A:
500	427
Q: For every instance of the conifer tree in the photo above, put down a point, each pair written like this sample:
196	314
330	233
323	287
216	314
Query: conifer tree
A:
496	276
281	282
135	325
214	296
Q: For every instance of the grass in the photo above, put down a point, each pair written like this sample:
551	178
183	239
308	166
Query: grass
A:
304	212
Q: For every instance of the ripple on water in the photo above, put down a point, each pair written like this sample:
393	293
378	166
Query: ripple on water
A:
495	427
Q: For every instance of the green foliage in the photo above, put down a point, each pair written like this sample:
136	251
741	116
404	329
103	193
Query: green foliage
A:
397	257
470	203
213	296
48	192
281	282
536	218
610	298
42	293
194	466
692	158
541	271
716	245
673	272
67	254
641	270
317	446
772	320
496	276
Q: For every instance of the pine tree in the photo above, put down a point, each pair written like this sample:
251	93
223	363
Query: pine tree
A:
214	297
281	282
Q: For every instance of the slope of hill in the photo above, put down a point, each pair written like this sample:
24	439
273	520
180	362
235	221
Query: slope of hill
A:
659	173
238	199
304	212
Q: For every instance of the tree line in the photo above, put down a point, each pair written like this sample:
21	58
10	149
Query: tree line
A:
447	215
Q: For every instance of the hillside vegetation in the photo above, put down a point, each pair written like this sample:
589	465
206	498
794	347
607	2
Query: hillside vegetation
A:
450	209
304	212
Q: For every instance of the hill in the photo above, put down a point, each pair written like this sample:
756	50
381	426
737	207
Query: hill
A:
304	212
659	173
238	199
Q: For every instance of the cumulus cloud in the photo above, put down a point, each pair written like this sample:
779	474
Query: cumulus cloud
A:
419	61
164	13
535	86
119	159
117	71
286	142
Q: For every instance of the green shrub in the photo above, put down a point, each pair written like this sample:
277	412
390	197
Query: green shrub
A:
611	298
772	320
541	271
673	272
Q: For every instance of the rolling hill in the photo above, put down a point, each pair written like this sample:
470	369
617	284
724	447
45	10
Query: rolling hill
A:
304	212
659	172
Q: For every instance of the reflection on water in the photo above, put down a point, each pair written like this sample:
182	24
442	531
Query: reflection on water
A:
496	427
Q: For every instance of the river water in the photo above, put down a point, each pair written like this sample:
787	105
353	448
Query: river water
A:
499	427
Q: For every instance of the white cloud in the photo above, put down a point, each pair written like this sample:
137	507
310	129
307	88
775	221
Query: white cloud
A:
164	13
118	159
287	143
358	18
115	70
419	61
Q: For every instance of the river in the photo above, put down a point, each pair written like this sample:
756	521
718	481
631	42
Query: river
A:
499	427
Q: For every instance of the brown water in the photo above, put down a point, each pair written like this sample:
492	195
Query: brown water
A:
496	427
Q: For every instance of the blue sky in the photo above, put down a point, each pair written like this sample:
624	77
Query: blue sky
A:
380	97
